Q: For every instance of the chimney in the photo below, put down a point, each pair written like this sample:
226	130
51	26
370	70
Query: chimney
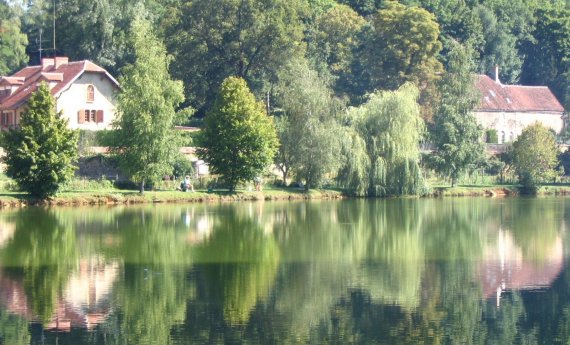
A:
497	80
46	62
61	60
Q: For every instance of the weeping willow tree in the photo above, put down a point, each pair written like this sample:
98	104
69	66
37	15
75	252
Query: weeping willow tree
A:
353	175
390	128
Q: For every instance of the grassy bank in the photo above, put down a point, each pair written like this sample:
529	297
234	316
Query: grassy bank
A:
118	197
112	196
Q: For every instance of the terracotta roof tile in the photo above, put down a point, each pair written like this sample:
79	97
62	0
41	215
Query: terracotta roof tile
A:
515	98
11	80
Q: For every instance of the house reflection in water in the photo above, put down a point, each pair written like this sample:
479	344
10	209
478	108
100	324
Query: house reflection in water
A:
505	268
86	301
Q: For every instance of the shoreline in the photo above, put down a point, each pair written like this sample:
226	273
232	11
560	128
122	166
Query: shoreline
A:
121	197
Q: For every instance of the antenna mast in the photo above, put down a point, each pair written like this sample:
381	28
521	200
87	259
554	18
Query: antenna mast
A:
54	51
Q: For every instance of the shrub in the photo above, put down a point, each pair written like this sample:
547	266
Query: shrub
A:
491	136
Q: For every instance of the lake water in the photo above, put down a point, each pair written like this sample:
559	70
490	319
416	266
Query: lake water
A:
429	271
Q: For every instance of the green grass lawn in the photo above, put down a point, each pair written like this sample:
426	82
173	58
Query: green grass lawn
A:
93	193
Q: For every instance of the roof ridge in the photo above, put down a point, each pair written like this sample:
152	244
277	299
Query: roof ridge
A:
528	86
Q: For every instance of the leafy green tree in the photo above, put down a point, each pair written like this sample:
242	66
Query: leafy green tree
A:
548	57
331	45
40	153
12	41
353	174
500	48
455	132
403	47
336	37
310	109
458	23
535	156
363	7
239	139
251	39
145	138
92	30
391	127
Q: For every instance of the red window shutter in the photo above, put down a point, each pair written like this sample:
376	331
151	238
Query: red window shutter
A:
99	116
81	116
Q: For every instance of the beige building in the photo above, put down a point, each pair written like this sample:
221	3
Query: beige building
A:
509	109
84	92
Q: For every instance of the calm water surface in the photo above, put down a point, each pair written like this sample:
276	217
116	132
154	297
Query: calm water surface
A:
453	271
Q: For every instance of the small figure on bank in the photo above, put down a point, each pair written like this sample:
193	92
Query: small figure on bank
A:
257	182
186	185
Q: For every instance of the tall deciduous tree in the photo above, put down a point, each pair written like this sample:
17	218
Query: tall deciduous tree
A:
145	138
455	132
333	41
500	47
239	139
403	47
534	155
548	61
12	41
40	154
251	39
336	36
310	108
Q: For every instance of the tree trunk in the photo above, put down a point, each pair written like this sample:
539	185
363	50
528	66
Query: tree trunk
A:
285	173
141	187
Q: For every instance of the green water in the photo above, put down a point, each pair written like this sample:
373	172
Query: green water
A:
452	271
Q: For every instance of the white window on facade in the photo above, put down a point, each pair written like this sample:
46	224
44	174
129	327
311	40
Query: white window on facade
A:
511	137
503	137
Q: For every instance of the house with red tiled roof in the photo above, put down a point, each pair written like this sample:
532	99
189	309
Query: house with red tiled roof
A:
508	109
84	92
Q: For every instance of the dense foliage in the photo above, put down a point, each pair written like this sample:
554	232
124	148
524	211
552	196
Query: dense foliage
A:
239	139
455	132
12	41
391	129
308	60
534	156
308	131
364	44
40	153
145	140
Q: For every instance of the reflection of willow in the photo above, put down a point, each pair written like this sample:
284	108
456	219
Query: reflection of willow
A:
241	264
43	252
535	224
395	251
333	246
453	228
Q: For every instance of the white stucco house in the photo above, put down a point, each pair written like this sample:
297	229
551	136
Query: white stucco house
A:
84	92
508	109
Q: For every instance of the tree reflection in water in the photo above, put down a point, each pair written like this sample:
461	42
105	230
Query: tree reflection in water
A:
359	271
